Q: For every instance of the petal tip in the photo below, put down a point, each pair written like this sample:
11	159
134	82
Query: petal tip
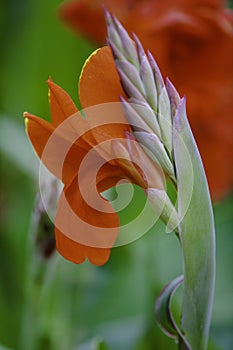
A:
50	81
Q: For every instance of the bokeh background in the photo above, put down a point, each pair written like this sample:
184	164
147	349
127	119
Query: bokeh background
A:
50	303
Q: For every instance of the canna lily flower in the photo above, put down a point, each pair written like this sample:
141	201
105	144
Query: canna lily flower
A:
95	149
193	45
86	225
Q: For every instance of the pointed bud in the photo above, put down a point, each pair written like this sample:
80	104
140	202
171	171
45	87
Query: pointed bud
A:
146	74
149	83
132	74
113	37
129	88
156	72
147	114
140	50
173	96
164	108
115	50
156	151
127	43
134	118
164	117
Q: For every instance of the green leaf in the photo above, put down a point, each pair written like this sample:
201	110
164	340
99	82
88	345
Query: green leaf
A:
163	312
196	232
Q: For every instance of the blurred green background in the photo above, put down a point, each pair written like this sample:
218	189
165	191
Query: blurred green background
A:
53	304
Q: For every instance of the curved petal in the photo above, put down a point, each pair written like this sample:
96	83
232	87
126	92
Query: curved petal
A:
63	149
61	104
134	161
109	175
77	253
99	81
86	224
55	147
39	131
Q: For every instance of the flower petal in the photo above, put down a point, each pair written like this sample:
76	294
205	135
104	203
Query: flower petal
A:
57	148
107	122
39	131
99	81
61	104
109	175
135	162
86	224
77	253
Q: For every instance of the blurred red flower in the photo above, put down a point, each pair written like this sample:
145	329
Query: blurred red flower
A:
192	41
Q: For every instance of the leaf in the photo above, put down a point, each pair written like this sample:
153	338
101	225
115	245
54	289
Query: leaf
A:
197	233
163	313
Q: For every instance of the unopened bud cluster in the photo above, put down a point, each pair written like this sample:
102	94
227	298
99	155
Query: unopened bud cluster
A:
150	107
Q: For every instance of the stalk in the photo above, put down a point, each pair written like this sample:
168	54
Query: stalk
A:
165	135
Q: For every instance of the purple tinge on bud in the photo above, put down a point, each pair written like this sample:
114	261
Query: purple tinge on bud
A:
140	51
156	151
116	30
165	119
147	75
149	83
146	113
130	136
157	74
136	121
115	50
180	119
142	81
114	37
132	74
127	44
173	96
130	89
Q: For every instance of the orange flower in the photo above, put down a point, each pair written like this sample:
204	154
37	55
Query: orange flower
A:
192	41
82	153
